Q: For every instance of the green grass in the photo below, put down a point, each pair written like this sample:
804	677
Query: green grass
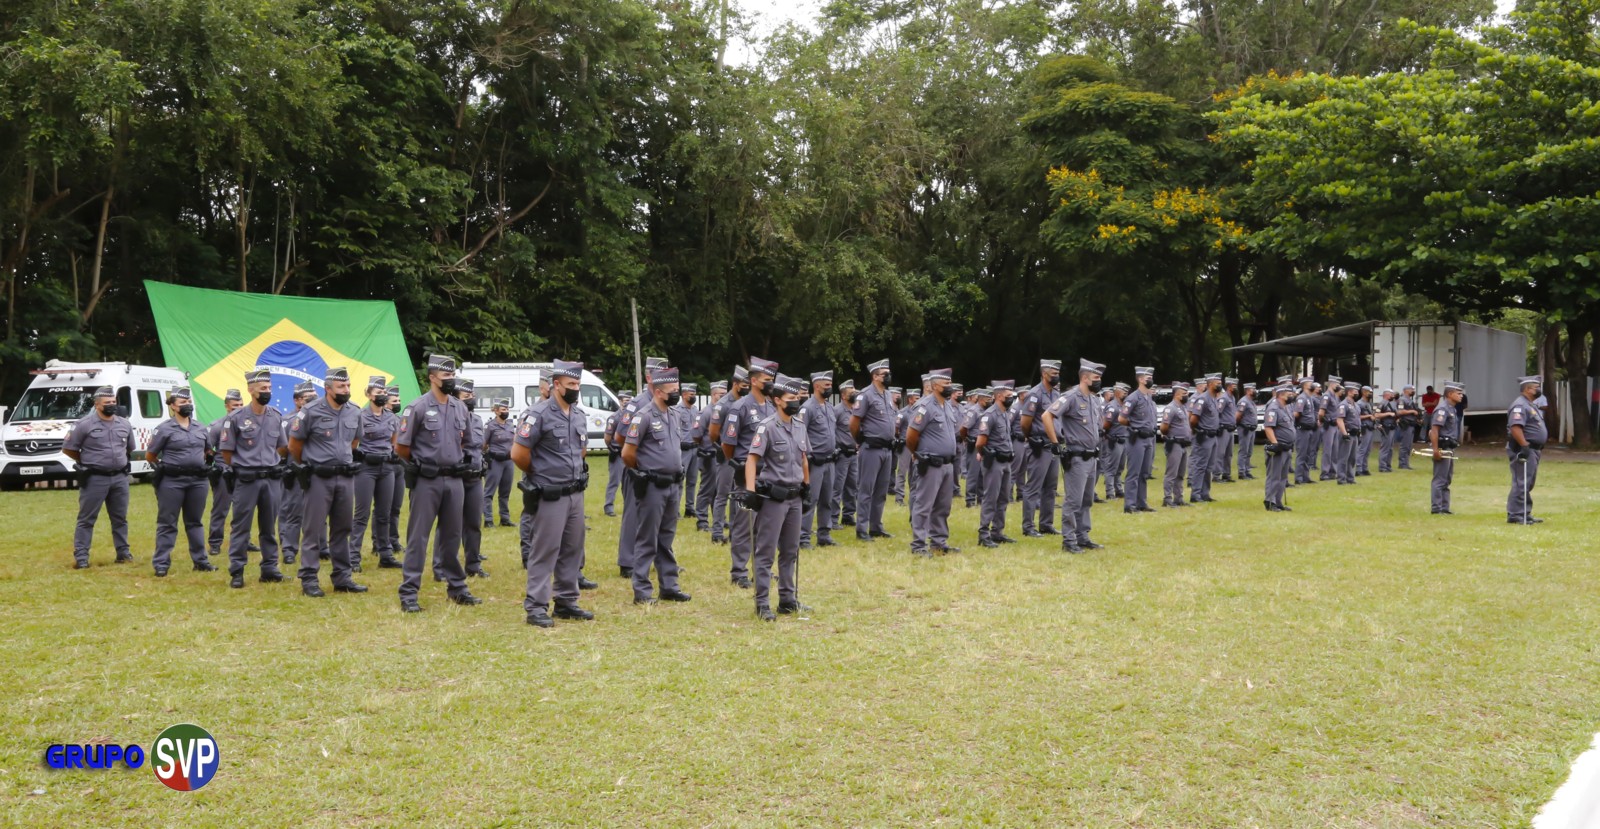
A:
1356	663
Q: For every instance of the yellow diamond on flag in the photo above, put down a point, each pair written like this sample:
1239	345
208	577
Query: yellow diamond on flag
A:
293	355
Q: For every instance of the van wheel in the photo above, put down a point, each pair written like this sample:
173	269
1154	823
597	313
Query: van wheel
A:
10	486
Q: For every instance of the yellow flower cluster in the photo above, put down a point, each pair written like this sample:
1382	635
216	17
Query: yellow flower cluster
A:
1116	231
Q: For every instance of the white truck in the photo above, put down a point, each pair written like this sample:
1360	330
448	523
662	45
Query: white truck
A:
1487	360
519	382
61	393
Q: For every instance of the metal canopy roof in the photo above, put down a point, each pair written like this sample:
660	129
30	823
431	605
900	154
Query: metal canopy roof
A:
1342	341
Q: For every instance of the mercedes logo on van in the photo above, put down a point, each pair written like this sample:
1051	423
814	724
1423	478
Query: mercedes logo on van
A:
32	447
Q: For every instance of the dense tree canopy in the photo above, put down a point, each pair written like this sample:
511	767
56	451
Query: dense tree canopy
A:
961	182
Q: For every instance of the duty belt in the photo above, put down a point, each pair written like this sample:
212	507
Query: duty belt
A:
878	443
334	470
936	461
662	480
828	458
184	471
371	459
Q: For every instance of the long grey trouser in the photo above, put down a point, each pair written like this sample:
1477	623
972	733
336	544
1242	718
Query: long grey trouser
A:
1330	454
327	526
1247	452
1386	450
706	494
254	499
1404	436
1364	451
1077	497
1136	485
289	519
872	489
843	504
1443	471
1172	480
691	480
1019	470
930	507
899	473
112	492
614	468
653	536
1039	489
1344	451
186	498
471	530
221	502
996	495
723	486
777	541
1111	466
741	532
1519	502
397	486
824	478
1305	454
497	486
1277	477
374	491
630	522
1222	455
1200	468
555	553
434	501
974	472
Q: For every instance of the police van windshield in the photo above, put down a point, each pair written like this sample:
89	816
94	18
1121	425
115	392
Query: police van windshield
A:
592	398
55	403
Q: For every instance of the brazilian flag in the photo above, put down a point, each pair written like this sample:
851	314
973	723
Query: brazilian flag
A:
217	336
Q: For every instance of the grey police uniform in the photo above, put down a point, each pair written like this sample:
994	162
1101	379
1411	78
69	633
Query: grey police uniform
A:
258	441
738	431
902	473
722	472
1388	431
823	456
105	446
1306	432
630	516
972	466
613	460
688	418
1369	430
1208	440
999	451
555	441
290	508
1227	422
781	448
497	483
1328	410
1449	425
656	480
1115	440
705	461
471	500
1039	488
374	484
1406	426
221	488
1249	415
327	435
397	465
1179	442
935	421
1140	411
848	475
181	454
1077	417
1350	416
436	431
1524	471
877	430
1019	447
1281	419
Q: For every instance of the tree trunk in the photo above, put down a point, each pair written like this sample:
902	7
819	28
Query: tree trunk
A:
1578	392
241	222
97	290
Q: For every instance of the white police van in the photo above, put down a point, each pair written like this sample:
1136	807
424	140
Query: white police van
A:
519	382
61	393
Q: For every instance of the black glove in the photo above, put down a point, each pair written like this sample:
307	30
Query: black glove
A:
808	498
613	453
749	500
1522	454
157	474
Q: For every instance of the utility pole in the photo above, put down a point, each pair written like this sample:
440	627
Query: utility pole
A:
638	361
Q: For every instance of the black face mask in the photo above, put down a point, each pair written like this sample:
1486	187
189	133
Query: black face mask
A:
1006	403
766	388
850	401
791	408
264	398
342	398
946	393
888	377
1095	387
1049	382
569	396
381	400
673	397
395	407
448	386
185	410
503	415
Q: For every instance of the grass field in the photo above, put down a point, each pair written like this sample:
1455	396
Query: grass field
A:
1356	663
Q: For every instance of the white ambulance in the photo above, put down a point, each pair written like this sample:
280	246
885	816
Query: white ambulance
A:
60	394
519	382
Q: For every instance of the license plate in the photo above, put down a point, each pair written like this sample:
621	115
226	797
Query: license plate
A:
31	470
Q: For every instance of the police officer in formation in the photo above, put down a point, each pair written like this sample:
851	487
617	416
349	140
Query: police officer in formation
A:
1139	417
995	450
822	442
221	489
1072	425
1248	416
293	494
776	489
1177	427
688	415
630	518
653	453
1306	426
1114	440
705	459
1039	484
842	508
499	478
1369	430
432	439
1208	437
253	443
614	453
471	490
1280	433
177	448
397	465
902	473
1346	431
1228	421
872	425
738	430
322	442
1384	414
374	481
1526	435
1444	435
721	509
931	431
971	469
1408	419
549	449
101	444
